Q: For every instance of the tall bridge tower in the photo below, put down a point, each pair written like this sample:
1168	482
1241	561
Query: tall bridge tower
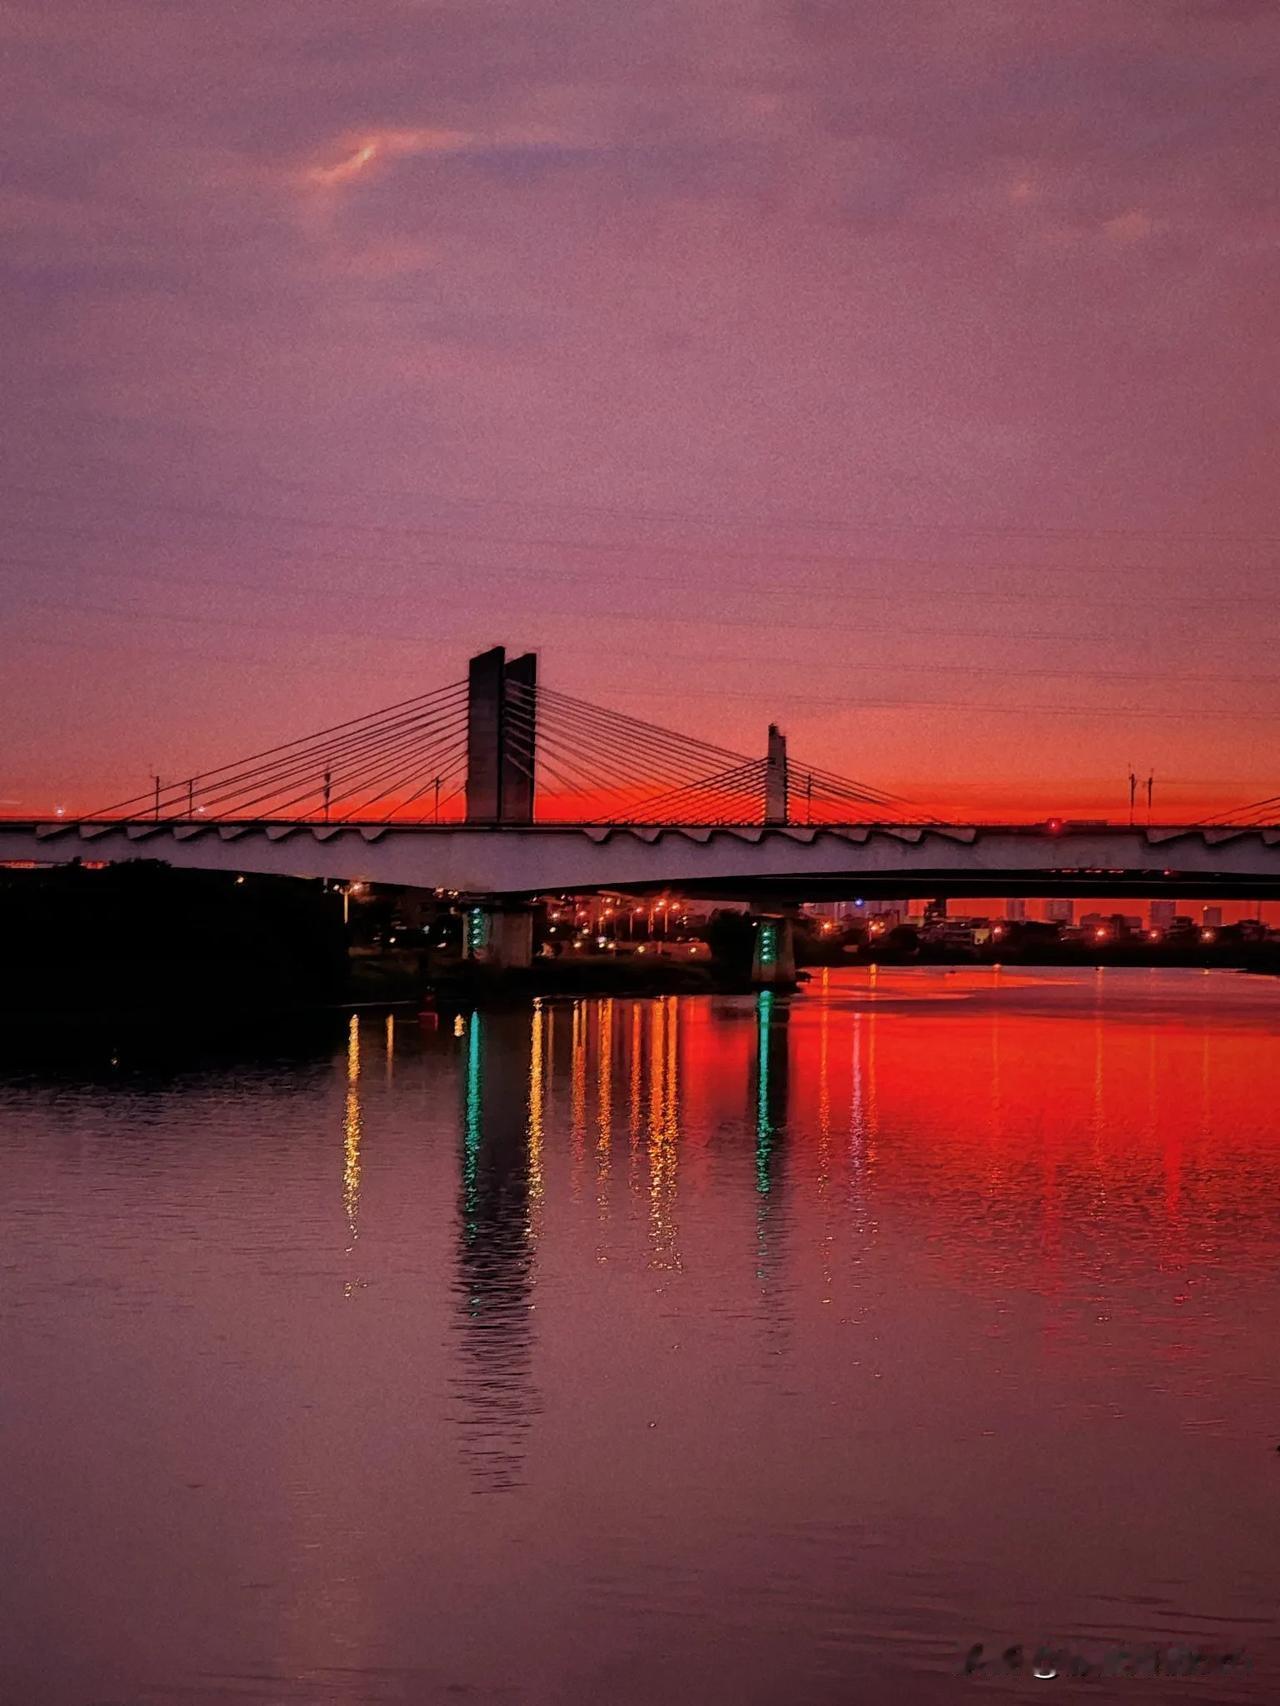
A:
502	726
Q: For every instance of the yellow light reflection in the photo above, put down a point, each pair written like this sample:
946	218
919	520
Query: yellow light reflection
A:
604	1099
538	1039
663	1132
636	1085
578	1091
352	1130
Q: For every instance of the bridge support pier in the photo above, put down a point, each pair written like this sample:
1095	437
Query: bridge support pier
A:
498	935
773	960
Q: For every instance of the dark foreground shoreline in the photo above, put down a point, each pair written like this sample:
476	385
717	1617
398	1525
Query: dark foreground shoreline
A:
160	1036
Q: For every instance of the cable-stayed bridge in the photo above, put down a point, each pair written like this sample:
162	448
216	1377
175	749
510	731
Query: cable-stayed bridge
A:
498	788
497	748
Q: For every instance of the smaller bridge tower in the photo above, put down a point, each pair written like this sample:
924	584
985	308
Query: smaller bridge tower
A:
775	777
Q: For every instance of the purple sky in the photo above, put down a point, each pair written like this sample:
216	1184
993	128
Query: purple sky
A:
906	373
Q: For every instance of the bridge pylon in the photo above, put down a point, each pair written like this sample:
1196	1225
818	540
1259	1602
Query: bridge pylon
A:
775	777
502	721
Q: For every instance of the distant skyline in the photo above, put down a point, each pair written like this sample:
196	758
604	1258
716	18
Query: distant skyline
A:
903	375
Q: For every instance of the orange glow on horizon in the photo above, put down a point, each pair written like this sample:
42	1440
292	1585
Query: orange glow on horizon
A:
997	804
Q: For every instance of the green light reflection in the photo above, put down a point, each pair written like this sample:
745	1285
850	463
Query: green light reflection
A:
764	1125
472	1126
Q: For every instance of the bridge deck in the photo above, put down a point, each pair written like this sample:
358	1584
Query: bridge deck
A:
735	862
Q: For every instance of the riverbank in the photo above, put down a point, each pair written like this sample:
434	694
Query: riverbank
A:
161	1043
401	976
589	977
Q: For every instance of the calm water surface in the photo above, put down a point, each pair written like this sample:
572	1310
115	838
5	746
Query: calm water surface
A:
709	1350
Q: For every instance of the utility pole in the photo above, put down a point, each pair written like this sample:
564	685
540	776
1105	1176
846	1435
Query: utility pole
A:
328	789
191	797
1133	794
1151	782
437	799
156	780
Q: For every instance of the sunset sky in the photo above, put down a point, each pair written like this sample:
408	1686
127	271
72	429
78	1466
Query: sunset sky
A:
903	373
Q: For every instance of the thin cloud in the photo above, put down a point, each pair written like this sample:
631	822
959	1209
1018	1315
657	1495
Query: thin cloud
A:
361	154
388	145
1129	227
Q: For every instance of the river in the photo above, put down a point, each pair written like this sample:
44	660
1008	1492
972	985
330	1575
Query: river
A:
623	1352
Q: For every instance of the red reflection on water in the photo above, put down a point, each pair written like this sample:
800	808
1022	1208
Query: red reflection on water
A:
698	1348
